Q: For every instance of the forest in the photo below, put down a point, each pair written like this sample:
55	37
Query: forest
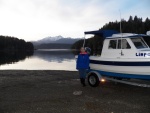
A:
13	49
10	44
132	25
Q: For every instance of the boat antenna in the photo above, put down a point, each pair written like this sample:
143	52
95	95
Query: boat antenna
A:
84	41
121	33
120	23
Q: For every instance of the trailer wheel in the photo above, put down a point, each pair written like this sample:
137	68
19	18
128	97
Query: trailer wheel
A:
93	80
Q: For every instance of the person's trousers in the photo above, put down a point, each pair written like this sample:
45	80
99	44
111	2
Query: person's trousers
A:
82	73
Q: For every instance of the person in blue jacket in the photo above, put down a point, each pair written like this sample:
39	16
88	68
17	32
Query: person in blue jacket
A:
82	65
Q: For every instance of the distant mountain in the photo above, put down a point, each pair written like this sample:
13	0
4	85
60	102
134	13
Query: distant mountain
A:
67	40
56	42
49	39
56	39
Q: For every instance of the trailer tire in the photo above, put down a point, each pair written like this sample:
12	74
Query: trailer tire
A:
93	80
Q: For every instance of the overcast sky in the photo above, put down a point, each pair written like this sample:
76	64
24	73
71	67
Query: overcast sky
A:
37	19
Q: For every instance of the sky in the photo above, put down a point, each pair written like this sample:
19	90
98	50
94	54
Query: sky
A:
32	20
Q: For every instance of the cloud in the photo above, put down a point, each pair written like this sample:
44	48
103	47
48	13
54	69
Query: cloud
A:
35	19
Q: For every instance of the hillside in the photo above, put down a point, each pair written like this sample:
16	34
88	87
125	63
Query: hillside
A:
9	44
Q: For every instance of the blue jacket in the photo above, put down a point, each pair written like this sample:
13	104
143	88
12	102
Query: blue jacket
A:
82	61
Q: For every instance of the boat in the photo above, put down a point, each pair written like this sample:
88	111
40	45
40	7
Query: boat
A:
123	56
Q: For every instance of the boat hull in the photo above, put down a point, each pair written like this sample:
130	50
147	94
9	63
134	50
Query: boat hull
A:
136	70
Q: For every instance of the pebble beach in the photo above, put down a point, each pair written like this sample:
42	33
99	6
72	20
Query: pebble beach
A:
24	91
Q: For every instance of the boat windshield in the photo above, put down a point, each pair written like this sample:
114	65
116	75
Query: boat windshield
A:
139	43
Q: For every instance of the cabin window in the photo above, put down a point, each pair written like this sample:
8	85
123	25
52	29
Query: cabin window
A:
112	44
139	43
125	44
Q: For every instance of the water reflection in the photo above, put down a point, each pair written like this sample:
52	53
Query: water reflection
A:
55	56
13	57
41	60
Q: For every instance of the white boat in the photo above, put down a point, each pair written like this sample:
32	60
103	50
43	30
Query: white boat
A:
124	55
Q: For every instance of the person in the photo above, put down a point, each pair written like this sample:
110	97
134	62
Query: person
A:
82	65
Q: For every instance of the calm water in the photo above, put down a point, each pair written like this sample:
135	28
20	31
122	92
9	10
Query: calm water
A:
44	60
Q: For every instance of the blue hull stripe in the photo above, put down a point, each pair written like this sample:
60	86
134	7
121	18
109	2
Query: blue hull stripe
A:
117	63
132	76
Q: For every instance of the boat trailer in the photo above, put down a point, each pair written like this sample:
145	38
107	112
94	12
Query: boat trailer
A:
94	79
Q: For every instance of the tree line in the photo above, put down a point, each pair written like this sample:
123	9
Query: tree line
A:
132	25
11	44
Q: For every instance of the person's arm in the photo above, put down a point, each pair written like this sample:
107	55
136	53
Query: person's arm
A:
77	63
87	61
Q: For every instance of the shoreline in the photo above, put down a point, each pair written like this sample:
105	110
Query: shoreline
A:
44	91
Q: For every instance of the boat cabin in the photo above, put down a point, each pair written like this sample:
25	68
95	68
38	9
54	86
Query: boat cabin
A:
124	45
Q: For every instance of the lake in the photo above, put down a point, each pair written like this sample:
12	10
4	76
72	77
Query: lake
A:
44	59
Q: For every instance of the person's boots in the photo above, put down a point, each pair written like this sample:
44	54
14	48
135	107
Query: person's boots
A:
82	81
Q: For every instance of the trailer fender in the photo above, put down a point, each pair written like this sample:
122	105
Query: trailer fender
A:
96	73
94	78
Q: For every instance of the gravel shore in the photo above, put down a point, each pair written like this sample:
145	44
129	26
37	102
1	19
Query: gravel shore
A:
23	91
